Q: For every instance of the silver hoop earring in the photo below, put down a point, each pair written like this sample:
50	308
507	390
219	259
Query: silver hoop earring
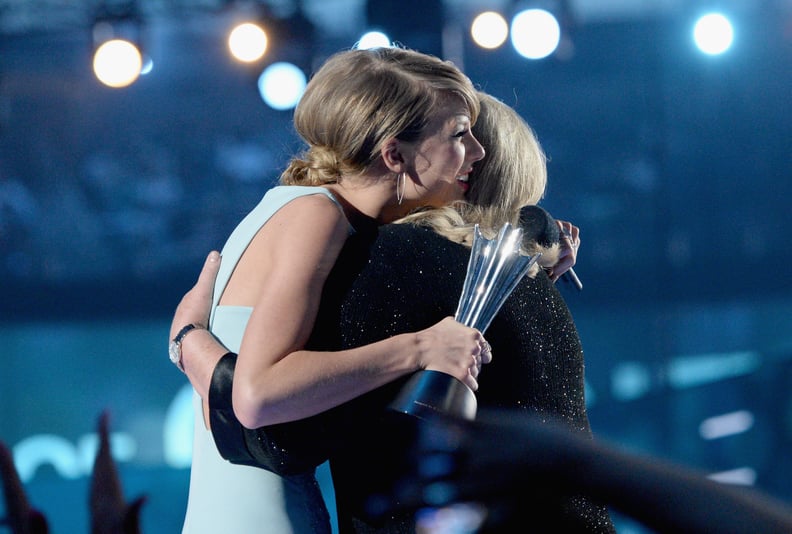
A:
401	180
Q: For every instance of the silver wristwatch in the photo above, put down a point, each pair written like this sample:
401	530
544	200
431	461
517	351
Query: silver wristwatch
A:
174	348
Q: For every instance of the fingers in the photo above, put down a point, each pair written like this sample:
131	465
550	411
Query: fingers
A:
486	352
196	304
480	357
455	349
475	369
471	382
206	278
570	235
570	232
570	243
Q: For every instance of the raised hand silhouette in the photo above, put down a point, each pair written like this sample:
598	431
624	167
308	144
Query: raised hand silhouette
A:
21	517
110	513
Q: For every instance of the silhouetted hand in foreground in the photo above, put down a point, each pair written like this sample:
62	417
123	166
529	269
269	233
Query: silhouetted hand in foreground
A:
110	514
21	517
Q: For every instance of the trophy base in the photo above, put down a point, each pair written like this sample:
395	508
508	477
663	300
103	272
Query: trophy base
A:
429	393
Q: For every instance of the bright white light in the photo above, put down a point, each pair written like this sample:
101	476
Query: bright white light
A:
247	42
373	40
726	425
535	33
117	63
742	476
489	30
281	85
713	34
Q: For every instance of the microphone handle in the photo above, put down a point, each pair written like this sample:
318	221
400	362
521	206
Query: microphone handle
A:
571	276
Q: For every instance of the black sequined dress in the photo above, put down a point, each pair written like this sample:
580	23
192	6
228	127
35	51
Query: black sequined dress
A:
401	278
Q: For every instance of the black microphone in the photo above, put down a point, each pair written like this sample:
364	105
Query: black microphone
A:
538	225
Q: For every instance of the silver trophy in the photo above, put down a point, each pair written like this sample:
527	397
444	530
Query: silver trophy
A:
494	269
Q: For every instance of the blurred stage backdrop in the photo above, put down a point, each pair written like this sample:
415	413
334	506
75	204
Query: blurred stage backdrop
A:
675	163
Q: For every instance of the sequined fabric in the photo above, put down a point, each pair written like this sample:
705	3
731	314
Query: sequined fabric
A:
401	278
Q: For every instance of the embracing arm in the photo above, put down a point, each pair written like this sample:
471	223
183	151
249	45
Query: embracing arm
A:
277	380
194	307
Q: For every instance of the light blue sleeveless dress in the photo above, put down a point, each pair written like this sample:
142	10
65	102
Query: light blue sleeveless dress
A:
238	499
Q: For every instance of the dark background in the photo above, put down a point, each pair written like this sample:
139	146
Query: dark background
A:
676	166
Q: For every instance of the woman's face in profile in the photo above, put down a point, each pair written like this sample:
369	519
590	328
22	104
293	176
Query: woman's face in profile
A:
443	158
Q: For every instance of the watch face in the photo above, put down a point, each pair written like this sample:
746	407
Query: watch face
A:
174	351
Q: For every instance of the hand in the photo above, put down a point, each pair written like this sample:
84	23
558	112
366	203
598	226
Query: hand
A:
200	350
570	242
455	349
196	304
20	516
109	510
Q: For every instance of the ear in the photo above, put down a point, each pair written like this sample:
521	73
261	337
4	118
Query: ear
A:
393	155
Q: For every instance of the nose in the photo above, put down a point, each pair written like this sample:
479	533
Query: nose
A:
475	150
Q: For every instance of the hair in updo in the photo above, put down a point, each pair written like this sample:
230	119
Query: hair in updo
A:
359	99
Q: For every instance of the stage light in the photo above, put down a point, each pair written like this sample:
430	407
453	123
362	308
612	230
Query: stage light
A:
489	30
713	34
281	85
535	33
725	425
699	369
117	63
373	39
247	42
117	58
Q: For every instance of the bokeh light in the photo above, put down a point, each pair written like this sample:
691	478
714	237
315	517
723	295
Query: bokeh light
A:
373	39
535	33
713	34
248	42
281	85
117	63
489	30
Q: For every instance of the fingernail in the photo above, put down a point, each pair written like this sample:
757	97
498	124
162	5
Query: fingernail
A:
214	256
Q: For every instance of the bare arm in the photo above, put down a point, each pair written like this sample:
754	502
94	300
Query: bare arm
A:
200	349
278	381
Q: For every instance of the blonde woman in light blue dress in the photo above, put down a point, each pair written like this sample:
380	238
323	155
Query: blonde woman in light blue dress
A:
388	131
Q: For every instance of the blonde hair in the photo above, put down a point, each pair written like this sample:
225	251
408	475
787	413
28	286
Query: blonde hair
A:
513	174
359	99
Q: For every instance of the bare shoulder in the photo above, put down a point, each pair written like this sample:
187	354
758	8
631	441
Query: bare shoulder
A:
310	225
298	244
310	209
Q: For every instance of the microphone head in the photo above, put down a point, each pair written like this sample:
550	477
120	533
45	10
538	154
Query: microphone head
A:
538	225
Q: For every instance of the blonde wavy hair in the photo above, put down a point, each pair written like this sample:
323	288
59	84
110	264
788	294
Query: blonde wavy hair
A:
513	174
359	99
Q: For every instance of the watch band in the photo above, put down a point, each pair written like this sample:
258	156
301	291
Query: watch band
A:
174	349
